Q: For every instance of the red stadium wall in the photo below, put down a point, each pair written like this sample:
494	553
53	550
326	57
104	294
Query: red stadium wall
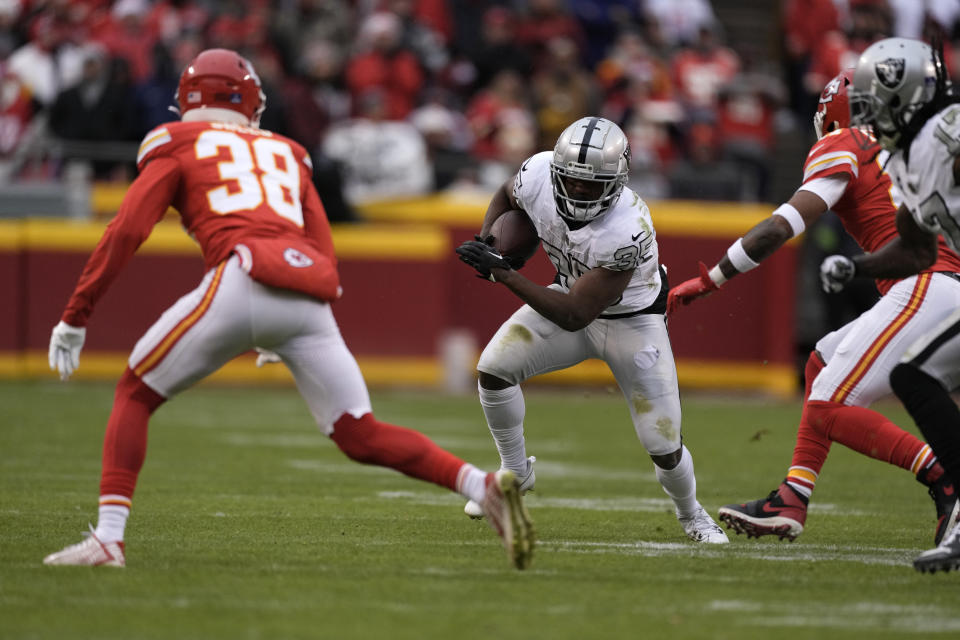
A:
404	290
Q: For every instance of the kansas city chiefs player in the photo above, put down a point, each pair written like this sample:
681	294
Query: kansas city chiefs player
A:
850	367
246	196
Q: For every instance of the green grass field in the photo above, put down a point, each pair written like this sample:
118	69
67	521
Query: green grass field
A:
248	523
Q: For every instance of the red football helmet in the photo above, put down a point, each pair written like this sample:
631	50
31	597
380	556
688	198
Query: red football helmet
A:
224	79
833	112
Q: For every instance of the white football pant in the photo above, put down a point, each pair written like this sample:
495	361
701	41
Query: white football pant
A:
230	314
636	349
861	354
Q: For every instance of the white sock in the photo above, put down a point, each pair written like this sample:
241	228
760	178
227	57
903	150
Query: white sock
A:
504	410
680	484
112	519
472	483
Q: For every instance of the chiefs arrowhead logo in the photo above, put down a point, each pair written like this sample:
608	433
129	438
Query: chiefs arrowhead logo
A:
296	259
890	72
831	90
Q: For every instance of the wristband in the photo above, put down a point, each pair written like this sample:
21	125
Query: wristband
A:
739	259
789	213
717	276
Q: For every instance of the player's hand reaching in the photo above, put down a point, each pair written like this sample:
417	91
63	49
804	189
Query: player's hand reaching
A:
836	272
65	345
483	258
689	290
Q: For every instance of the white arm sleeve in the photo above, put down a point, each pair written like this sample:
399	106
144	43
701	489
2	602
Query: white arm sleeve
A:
830	189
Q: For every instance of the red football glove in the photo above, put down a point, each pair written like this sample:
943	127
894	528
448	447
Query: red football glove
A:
689	290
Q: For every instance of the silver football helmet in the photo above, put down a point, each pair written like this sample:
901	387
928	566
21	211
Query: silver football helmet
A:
591	163
895	77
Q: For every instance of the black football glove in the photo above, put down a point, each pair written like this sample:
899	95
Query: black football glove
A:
482	257
515	262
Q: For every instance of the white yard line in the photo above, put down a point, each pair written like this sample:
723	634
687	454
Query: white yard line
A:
535	501
852	615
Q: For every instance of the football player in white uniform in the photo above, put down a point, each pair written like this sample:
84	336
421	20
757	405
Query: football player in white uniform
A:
607	302
901	90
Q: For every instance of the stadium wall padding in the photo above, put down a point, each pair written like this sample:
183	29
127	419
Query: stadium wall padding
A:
405	291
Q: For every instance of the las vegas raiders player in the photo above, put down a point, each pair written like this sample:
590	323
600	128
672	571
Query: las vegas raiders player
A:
607	302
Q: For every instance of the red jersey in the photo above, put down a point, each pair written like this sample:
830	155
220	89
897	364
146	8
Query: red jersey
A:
238	189
868	207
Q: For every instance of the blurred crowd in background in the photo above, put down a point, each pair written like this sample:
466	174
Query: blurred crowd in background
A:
398	98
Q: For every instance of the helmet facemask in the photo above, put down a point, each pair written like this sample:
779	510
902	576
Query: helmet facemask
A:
591	194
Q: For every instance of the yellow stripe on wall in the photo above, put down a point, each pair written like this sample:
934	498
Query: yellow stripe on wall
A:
11	235
704	219
365	241
779	380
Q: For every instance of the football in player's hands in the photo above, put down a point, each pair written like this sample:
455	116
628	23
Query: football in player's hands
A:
515	237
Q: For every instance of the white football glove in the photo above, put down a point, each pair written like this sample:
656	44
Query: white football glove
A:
265	356
65	345
836	272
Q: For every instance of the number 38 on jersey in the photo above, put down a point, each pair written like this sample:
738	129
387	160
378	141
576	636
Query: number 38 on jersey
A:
241	169
262	169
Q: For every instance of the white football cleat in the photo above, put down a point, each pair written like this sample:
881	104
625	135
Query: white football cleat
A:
527	480
700	527
505	513
89	553
944	557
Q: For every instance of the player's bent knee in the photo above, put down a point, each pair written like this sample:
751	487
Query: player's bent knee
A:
668	460
907	378
353	436
492	382
132	387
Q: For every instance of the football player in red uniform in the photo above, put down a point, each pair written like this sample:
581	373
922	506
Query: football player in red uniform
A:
245	194
850	367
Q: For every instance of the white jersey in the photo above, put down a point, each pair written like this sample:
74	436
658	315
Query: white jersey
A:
926	181
622	238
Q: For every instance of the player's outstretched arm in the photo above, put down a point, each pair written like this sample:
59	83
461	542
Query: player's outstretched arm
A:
759	243
912	251
144	204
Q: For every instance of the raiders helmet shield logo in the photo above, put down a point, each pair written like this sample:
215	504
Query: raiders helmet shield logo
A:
890	72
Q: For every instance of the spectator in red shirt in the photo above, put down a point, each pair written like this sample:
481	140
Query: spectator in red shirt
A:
543	21
745	126
383	65
805	24
700	71
126	36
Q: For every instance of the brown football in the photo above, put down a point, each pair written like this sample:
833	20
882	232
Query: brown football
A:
514	235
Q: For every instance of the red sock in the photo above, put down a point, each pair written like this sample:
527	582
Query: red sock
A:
867	432
370	441
812	447
125	442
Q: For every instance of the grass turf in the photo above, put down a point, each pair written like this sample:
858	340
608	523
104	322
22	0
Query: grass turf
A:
249	524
